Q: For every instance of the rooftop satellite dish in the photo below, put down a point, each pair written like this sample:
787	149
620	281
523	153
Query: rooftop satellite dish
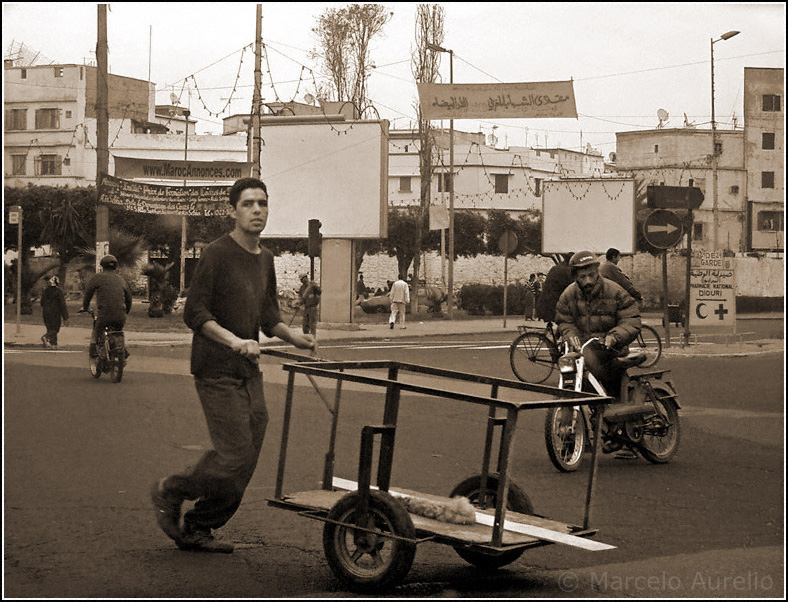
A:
663	116
309	99
174	98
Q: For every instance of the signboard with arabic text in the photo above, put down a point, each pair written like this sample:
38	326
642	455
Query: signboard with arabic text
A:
535	100
164	200
712	291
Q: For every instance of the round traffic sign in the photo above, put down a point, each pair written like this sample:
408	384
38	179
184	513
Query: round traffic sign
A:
663	229
508	242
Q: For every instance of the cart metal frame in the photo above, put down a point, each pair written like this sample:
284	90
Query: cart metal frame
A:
338	370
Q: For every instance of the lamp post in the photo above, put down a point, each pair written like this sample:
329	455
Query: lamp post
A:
715	211
182	278
450	284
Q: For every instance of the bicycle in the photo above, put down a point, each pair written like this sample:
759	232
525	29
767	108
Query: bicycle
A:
534	353
110	353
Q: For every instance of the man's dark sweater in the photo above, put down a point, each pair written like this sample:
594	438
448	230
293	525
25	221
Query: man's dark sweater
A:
237	289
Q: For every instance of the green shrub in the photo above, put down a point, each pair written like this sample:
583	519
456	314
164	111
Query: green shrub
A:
480	299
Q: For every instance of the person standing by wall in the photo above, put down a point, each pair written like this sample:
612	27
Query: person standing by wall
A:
400	297
310	298
54	308
530	298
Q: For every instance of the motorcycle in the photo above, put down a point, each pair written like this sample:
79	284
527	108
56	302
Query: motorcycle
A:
111	353
644	418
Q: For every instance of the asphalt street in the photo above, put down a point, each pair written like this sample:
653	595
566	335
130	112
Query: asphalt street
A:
80	455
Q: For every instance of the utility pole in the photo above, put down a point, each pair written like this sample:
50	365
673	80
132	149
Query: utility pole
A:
184	223
256	100
102	133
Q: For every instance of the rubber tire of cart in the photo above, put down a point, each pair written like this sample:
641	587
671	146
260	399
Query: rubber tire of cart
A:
389	515
517	501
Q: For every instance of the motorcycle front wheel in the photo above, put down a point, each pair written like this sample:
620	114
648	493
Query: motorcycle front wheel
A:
94	363
662	431
565	437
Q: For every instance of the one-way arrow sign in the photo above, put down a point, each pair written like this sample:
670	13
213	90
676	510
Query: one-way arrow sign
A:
663	228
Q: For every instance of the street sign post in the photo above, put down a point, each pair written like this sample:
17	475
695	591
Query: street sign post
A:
15	217
674	197
507	245
663	228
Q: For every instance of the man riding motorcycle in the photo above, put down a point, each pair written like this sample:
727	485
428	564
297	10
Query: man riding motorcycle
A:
595	307
113	299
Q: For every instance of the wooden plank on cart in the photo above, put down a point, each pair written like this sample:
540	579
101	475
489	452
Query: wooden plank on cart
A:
516	527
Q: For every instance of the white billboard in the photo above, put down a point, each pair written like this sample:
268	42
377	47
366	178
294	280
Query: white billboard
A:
592	214
336	172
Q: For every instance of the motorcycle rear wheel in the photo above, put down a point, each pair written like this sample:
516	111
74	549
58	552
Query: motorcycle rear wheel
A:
661	432
565	437
94	363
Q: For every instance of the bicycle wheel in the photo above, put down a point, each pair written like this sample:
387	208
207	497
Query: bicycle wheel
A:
649	342
532	357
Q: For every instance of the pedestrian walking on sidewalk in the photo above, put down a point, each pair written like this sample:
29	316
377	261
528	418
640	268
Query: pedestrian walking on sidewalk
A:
400	297
54	309
232	297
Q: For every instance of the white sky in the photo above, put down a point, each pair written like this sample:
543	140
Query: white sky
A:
627	59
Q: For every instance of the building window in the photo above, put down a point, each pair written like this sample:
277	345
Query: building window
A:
48	165
23	73
697	231
406	148
771	221
734	189
444	182
718	148
538	186
767	179
16	119
67	161
501	183
19	163
47	119
68	114
767	141
404	184
771	102
656	148
58	71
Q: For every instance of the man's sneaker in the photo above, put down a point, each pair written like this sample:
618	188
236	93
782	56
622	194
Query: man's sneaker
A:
391	325
45	341
201	540
168	510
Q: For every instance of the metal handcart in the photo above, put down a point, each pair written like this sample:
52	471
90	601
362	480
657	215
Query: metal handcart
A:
369	537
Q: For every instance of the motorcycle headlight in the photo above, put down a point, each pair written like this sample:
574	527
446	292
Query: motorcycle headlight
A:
566	364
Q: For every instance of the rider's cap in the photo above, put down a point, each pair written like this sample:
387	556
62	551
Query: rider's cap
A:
583	259
109	261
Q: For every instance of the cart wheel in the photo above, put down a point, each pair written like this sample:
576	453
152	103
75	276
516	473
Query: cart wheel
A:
517	501
367	561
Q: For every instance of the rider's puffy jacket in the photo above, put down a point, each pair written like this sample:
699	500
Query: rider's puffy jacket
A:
113	296
608	309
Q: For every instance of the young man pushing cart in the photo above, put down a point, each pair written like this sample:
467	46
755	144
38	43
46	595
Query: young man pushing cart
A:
232	296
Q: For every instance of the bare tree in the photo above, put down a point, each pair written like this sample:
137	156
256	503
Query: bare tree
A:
343	37
425	64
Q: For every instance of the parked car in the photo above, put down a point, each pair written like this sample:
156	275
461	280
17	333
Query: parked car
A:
377	305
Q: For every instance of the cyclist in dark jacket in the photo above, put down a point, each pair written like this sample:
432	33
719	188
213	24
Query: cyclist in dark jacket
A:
113	299
557	279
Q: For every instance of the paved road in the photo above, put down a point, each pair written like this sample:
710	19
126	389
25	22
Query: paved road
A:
79	456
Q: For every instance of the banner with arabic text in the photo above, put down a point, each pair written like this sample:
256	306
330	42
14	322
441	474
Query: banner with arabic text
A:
164	200
535	100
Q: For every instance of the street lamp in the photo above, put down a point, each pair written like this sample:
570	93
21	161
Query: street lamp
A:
182	278
726	36
450	285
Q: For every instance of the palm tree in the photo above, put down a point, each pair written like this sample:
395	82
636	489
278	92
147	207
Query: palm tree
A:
128	249
63	229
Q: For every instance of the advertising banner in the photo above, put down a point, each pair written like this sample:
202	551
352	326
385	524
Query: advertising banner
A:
164	200
536	100
166	169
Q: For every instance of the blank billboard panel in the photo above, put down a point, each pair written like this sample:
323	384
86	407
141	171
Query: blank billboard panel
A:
335	172
588	215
